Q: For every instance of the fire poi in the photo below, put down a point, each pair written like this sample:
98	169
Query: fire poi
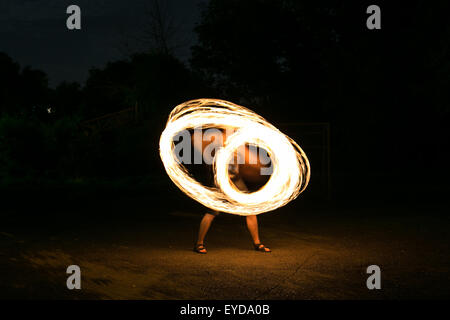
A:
290	167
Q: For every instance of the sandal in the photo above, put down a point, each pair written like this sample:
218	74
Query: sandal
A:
198	247
260	247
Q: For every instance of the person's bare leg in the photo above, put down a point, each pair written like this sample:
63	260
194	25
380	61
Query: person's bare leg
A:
204	227
252	225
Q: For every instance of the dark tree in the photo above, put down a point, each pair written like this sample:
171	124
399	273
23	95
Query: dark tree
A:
9	84
267	53
67	100
155	81
22	92
385	92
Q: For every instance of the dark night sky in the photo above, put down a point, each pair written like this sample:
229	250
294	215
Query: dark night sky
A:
33	32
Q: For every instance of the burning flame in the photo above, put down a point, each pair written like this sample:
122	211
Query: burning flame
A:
291	170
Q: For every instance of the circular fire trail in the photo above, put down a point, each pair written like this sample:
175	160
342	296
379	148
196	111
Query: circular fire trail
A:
290	166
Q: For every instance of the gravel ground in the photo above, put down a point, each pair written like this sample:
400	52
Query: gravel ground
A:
317	254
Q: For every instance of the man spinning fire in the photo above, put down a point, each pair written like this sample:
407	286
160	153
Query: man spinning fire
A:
244	169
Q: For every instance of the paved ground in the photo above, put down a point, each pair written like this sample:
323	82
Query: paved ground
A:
318	253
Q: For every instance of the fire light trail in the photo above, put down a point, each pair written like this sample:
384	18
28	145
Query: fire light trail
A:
291	171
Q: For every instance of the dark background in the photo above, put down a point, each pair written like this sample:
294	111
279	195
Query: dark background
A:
65	148
383	92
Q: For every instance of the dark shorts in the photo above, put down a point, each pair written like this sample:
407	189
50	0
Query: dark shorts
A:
240	183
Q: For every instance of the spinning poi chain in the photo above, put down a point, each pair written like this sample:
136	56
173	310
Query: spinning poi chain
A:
290	166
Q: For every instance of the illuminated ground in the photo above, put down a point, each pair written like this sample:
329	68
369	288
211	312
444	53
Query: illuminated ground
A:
319	253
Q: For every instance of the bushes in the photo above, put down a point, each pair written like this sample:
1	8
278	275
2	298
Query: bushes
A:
33	149
58	152
22	147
